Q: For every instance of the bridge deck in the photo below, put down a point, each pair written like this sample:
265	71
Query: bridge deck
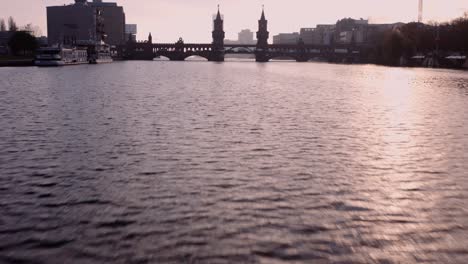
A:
271	46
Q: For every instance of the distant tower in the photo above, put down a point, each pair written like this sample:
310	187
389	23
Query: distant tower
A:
150	38
262	33
420	11
218	31
217	47
261	52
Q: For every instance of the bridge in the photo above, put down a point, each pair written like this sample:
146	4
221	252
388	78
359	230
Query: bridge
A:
263	51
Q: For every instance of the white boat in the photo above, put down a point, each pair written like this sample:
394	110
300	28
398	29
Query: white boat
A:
56	56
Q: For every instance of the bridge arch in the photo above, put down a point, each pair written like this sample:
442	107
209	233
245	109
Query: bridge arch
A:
239	50
161	58
196	57
283	57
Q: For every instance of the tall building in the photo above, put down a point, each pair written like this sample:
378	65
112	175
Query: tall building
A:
246	37
79	21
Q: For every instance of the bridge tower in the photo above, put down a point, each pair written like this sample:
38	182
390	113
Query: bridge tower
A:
150	38
261	53
148	48
217	52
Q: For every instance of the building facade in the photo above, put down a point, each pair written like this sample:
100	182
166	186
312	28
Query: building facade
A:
350	30
310	36
78	22
326	34
114	21
286	38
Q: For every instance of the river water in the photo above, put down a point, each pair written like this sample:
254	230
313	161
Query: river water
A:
237	162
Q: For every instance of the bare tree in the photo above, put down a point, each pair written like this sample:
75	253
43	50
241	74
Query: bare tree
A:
33	30
28	28
37	31
2	25
12	24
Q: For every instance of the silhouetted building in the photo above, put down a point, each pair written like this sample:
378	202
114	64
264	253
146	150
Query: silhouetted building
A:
286	38
246	36
78	22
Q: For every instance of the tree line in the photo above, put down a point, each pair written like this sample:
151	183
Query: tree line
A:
22	41
436	39
11	25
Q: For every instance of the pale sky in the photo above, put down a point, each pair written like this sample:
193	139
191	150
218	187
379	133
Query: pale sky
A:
168	20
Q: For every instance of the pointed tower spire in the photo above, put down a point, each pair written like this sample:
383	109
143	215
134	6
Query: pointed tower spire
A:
218	16
262	33
150	38
218	31
217	51
263	13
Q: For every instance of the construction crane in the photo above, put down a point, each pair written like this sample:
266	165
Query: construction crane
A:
420	13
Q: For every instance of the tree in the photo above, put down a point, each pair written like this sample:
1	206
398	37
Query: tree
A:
32	29
12	24
395	45
28	28
22	43
2	25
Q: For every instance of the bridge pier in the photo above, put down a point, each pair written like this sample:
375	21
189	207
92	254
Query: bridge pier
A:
216	56
302	59
261	56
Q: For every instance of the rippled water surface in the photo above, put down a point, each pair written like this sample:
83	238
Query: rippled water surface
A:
198	162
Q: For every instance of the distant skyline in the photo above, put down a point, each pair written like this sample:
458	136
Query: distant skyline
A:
168	20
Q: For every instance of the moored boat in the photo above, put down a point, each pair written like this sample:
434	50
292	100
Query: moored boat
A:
100	53
57	56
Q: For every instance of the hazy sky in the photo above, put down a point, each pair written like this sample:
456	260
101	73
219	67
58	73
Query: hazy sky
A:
191	19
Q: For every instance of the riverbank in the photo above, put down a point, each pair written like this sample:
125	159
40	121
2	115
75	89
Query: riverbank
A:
12	61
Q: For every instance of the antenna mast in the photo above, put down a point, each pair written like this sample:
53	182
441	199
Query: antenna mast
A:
420	13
